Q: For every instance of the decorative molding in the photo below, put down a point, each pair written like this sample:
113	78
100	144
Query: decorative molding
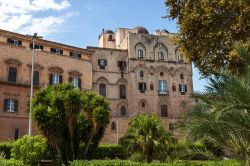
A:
36	66
56	69
12	61
75	73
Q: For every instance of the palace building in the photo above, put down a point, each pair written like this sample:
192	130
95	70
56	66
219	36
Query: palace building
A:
136	71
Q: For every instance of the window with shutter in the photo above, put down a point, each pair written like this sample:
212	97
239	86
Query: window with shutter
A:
12	74
16	134
123	111
102	89
10	105
160	55
14	41
183	89
151	86
113	126
141	74
142	87
55	79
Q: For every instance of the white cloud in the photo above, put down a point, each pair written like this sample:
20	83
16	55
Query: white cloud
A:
23	15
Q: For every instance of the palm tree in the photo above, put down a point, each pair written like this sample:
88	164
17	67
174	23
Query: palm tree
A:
146	134
223	114
97	111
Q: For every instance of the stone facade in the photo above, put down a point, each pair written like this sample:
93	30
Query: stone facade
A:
138	72
14	123
156	77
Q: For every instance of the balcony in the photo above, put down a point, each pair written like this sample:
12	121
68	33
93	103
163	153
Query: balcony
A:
163	93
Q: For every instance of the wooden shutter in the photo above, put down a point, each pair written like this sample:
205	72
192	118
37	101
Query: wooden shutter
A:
71	53
51	79
5	104
102	89
52	50
164	111
19	42
79	55
105	62
80	83
70	79
16	136
60	78
16	106
9	40
99	62
12	74
41	47
36	78
180	87
144	86
185	88
61	51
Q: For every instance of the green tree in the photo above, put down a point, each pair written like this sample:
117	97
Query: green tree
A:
146	135
223	115
62	117
208	30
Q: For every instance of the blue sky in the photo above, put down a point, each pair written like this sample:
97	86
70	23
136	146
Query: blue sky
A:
79	22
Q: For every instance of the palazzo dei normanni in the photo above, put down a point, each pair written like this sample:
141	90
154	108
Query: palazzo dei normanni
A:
136	71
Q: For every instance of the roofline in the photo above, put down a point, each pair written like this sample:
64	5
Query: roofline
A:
102	48
46	41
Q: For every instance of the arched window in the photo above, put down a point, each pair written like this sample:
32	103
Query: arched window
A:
141	74
113	126
102	89
123	111
151	86
143	104
164	111
180	58
122	90
140	53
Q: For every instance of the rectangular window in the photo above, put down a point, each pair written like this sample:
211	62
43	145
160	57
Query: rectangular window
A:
122	89
102	63
142	87
36	78
162	87
10	105
122	64
12	74
75	54
102	89
14	41
56	50
37	46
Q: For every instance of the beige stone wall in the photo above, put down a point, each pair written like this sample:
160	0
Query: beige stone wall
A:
152	68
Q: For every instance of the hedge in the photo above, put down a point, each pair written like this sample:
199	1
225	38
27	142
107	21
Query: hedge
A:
104	151
130	163
5	147
5	162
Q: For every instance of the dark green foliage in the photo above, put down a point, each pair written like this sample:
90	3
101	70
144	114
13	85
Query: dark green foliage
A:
67	117
130	163
11	162
104	151
208	29
5	148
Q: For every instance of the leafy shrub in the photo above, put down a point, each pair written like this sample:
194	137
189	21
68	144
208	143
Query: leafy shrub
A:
130	163
4	162
5	149
29	149
110	151
137	157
